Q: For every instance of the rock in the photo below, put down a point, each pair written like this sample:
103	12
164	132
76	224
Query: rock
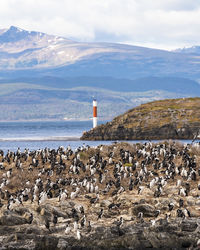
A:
34	230
11	220
188	226
197	203
105	203
21	210
45	211
62	244
190	201
146	209
47	242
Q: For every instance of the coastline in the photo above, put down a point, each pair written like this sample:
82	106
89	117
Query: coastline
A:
50	138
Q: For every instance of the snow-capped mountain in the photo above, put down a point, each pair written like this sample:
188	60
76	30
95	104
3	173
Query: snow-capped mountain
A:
49	77
189	50
22	50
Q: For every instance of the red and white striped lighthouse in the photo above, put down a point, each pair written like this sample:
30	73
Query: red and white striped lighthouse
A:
94	113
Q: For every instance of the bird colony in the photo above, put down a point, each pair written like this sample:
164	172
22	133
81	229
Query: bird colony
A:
73	192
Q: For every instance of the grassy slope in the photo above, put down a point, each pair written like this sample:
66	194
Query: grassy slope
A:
159	113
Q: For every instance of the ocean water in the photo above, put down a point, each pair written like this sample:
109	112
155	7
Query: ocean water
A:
37	135
51	134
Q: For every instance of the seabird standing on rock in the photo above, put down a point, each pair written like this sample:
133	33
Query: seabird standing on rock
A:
181	203
157	212
30	219
100	214
140	217
89	227
68	229
83	221
180	213
153	223
47	224
78	234
55	219
119	222
171	206
94	200
81	208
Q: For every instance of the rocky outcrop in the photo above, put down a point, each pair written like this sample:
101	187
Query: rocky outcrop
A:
176	234
166	119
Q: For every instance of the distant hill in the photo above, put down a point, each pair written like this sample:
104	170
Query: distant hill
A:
170	84
49	77
158	120
25	101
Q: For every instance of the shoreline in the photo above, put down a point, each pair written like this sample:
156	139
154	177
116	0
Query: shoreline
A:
56	120
78	138
32	139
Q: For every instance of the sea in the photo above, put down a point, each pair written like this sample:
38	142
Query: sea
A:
40	134
51	134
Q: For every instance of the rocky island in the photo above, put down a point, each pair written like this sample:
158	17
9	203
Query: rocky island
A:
119	196
158	120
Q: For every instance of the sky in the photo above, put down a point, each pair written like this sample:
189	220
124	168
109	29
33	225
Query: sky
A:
162	24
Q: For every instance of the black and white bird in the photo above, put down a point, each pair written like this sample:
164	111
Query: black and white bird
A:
171	206
100	214
119	222
181	202
47	223
30	219
67	229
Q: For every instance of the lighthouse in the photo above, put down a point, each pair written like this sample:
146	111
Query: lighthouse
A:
94	113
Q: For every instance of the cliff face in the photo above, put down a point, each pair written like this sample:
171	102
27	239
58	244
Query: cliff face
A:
165	119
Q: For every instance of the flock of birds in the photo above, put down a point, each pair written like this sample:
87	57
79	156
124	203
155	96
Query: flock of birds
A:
90	176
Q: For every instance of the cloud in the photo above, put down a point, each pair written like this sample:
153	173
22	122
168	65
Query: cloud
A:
154	23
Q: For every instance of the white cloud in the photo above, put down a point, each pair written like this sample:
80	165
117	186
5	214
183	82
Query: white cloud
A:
155	23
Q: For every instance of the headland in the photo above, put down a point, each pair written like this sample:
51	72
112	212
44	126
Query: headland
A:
158	120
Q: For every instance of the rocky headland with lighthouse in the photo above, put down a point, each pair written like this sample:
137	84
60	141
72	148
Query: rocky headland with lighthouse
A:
158	120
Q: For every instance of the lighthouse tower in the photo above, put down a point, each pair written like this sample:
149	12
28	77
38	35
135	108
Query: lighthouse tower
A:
94	113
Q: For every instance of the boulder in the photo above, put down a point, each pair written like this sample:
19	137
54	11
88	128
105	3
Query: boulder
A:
11	220
146	209
189	226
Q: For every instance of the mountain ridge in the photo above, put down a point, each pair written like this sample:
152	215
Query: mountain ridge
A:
57	55
181	85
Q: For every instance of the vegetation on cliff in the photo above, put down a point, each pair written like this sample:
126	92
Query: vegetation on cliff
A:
164	119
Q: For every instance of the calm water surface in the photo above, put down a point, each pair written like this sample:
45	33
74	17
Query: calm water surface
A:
51	134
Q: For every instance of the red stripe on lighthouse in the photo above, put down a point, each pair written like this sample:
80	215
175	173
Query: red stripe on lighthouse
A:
94	113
